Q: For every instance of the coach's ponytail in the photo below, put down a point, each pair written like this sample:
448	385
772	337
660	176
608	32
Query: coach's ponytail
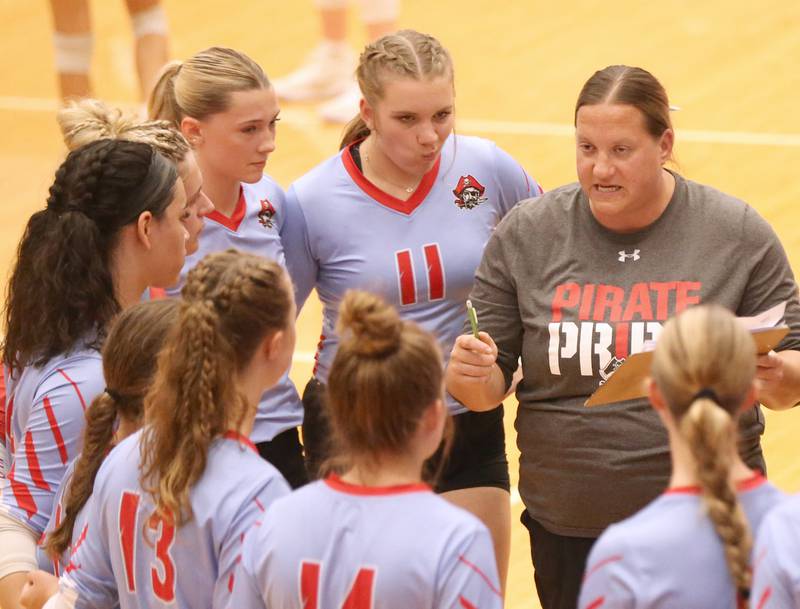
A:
704	365
386	373
407	54
129	361
230	302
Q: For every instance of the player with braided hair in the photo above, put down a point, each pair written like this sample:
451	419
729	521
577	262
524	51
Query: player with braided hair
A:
129	360
186	488
112	227
373	217
691	547
88	120
388	416
224	104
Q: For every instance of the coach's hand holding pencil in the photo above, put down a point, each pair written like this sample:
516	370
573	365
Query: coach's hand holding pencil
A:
473	377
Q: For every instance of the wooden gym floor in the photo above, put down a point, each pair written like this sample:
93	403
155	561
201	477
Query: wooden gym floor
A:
730	66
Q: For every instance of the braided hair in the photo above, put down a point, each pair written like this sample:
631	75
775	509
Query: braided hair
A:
88	120
704	366
407	54
62	277
230	302
129	362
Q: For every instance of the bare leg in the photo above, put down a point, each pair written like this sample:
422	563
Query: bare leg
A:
152	44
10	588
71	18
493	507
334	23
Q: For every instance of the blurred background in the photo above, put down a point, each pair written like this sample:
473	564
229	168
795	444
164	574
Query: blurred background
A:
730	66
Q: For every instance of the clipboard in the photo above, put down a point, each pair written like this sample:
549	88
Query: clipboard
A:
627	382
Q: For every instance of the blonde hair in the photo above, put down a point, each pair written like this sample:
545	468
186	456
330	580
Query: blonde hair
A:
88	120
202	85
407	54
704	366
384	376
230	302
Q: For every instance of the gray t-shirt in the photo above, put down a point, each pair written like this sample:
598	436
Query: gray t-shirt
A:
574	299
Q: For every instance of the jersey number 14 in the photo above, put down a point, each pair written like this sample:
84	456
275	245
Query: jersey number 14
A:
360	595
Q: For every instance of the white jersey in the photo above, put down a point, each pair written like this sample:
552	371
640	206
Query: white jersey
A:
140	561
776	559
420	255
332	544
255	227
668	555
44	431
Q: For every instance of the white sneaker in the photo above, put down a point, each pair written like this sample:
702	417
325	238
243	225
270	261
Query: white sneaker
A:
327	71
344	107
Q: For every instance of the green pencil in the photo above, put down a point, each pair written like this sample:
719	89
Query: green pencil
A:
473	318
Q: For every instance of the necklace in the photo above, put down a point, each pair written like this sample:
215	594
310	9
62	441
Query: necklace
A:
406	189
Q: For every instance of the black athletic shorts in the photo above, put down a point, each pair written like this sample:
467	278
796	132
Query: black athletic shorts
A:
477	456
285	452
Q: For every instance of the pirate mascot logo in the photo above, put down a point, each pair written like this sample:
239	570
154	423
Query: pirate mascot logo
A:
266	214
469	193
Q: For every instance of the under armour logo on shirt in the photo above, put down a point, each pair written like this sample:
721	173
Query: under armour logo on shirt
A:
623	255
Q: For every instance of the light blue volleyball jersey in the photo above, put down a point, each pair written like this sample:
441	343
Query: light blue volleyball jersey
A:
420	255
255	228
668	555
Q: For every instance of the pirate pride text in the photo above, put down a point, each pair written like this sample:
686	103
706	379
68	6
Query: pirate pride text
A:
602	324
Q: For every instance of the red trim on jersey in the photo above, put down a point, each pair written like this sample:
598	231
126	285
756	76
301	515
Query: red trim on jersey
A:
56	430
762	602
260	506
465	603
22	494
598	602
74	386
483	575
337	484
235	435
9	435
2	405
754	481
232	222
157	293
601	564
405	207
33	463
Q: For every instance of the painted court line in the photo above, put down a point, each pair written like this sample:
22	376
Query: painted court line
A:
305	119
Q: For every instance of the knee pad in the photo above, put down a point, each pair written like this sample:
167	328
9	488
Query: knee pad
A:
73	52
150	21
19	547
379	11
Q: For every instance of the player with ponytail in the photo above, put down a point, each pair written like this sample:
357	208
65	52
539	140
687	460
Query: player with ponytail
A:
186	488
691	547
372	533
404	211
111	228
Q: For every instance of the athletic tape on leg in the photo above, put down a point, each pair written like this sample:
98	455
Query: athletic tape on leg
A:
73	52
150	21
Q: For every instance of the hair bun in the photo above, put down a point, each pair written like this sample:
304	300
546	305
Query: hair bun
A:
368	325
89	120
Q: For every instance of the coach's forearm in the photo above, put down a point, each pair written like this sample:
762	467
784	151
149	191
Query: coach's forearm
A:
477	394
